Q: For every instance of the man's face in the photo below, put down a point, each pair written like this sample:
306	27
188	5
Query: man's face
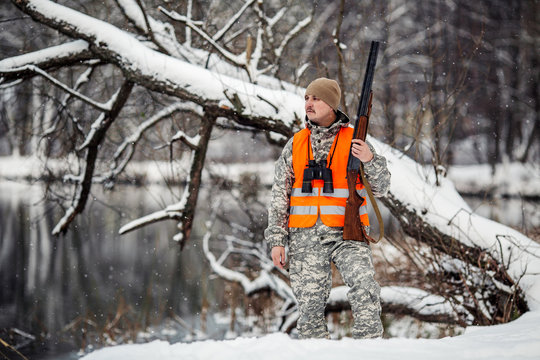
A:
319	112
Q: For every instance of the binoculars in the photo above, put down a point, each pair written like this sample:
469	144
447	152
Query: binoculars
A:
317	171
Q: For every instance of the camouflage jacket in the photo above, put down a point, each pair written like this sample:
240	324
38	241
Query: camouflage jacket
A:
277	232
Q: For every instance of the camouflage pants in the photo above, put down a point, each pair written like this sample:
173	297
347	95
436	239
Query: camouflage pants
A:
310	275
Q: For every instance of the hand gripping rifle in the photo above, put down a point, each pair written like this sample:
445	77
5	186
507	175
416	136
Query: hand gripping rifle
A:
353	228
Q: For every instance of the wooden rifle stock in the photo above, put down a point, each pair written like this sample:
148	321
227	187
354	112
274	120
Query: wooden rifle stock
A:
353	228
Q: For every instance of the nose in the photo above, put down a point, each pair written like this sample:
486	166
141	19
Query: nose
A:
309	102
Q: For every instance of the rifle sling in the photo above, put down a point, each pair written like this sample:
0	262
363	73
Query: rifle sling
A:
373	203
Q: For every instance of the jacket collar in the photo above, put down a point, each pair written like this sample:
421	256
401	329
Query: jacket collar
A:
342	120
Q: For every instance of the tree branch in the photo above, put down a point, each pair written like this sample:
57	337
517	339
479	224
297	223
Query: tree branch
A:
120	48
184	210
414	226
54	81
92	148
68	54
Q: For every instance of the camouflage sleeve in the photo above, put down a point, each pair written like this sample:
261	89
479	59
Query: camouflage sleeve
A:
277	232
377	174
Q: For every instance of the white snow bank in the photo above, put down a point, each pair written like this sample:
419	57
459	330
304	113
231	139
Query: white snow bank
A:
512	179
517	340
471	179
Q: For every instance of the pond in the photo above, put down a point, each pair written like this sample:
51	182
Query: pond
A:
93	287
60	288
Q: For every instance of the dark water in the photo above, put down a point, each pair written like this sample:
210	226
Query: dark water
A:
93	287
65	291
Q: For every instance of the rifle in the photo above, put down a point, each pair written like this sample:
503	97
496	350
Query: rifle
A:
353	228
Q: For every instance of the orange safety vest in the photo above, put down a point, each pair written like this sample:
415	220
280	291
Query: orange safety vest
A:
305	208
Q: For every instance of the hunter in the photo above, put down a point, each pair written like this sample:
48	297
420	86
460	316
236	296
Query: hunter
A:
314	234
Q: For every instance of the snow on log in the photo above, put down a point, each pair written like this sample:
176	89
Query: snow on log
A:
52	57
415	191
402	300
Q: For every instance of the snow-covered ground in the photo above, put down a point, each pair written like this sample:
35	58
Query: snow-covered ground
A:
517	340
511	179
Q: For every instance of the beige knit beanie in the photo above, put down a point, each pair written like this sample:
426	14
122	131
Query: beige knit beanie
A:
327	90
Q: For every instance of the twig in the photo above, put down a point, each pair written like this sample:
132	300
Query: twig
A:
12	348
100	106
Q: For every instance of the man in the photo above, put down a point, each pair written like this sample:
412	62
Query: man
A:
315	232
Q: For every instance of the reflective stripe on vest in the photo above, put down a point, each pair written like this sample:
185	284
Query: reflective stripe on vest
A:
306	207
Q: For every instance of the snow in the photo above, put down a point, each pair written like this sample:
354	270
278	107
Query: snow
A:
420	301
470	179
444	208
177	74
516	340
52	53
509	179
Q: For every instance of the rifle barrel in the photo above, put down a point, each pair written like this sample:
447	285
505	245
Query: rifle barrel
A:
363	106
368	80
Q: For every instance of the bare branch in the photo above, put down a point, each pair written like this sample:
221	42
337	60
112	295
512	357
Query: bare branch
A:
191	141
235	59
184	210
56	82
83	189
218	35
81	80
129	144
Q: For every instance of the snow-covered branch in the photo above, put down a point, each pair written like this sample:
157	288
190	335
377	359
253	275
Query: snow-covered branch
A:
173	212
301	25
251	57
235	59
163	73
191	141
72	53
220	33
403	300
162	34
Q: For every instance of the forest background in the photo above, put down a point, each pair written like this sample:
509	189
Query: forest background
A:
456	85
